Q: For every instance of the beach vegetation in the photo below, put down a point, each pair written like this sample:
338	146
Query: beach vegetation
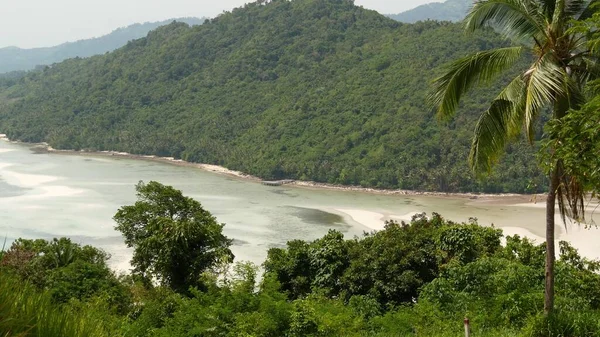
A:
419	278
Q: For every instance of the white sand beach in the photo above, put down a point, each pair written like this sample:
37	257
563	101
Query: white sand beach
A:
372	220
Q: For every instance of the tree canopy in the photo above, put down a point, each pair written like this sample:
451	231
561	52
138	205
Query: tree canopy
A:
174	239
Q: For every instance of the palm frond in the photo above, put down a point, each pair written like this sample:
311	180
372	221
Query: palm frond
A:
514	19
567	10
544	83
588	11
500	124
462	74
548	7
514	90
492	133
559	15
554	9
574	8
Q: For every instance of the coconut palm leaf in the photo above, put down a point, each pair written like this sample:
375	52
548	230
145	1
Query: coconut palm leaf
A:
548	7
544	83
514	92
491	135
589	9
575	8
500	124
512	18
467	72
559	15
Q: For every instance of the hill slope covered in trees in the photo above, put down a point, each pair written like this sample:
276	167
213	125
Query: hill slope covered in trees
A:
18	59
450	10
308	89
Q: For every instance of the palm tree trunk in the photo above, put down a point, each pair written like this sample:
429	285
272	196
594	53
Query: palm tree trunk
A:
550	251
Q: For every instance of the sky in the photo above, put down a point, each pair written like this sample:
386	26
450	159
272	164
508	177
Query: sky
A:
44	23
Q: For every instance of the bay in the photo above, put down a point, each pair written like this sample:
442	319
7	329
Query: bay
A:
46	195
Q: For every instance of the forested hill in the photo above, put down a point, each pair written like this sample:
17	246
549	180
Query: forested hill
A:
450	10
306	89
16	59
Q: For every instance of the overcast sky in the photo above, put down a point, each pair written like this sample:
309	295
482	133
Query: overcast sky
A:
42	23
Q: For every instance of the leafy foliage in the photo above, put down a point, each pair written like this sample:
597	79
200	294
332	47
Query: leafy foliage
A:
499	288
389	266
461	270
574	142
175	240
65	270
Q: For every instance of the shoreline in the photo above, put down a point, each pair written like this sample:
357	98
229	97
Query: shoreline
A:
372	219
504	198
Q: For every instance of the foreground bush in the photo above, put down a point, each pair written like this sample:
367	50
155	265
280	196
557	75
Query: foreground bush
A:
410	279
26	312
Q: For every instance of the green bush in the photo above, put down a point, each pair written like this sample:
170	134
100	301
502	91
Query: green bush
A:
24	311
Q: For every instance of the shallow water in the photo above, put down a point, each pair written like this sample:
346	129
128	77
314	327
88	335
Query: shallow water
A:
49	195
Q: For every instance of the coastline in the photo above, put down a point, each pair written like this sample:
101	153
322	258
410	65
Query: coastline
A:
373	219
502	198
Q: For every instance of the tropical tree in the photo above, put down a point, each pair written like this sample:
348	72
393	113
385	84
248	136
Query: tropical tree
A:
562	64
575	139
174	239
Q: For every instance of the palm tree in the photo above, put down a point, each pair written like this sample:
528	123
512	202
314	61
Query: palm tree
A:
561	66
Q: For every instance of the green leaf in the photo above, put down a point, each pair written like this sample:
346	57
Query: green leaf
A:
491	134
467	72
514	19
545	82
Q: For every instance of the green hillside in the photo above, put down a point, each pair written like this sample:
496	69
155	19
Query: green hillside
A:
18	59
307	89
449	10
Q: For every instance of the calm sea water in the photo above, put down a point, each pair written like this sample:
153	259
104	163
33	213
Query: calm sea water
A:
52	195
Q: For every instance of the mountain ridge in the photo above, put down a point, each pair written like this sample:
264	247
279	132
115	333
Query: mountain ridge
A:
450	10
13	58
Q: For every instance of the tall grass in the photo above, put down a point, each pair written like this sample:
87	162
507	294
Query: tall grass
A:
25	312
